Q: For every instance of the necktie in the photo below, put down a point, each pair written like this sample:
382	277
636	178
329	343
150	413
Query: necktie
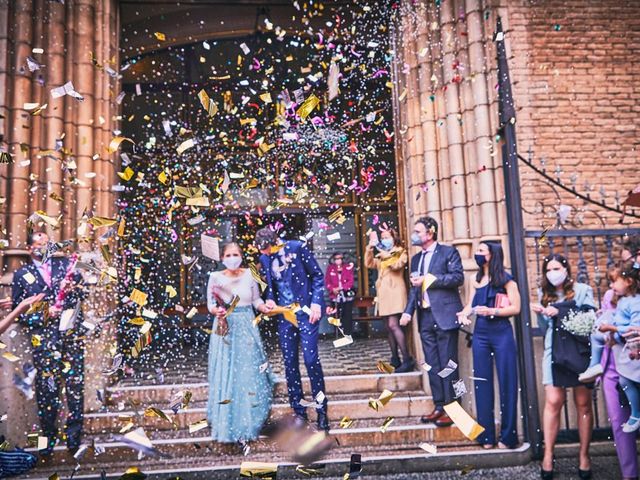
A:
46	272
423	271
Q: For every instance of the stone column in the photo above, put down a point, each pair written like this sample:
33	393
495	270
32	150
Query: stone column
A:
68	33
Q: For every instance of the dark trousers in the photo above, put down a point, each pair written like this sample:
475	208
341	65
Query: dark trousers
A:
496	343
439	346
59	361
344	311
291	338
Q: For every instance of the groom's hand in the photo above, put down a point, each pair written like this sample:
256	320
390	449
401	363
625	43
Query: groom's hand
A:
316	313
269	305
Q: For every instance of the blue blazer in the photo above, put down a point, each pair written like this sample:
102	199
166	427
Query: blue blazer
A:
306	275
21	289
444	296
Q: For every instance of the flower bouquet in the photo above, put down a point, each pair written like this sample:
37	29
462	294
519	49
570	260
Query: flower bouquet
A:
579	323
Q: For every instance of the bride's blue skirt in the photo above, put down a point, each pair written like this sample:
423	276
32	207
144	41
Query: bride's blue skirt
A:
240	382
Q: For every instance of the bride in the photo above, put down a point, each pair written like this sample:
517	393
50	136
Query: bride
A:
240	379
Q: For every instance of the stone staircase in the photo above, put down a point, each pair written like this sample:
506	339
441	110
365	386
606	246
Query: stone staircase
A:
181	451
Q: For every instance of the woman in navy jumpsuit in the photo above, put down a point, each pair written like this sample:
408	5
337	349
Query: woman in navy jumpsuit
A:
494	297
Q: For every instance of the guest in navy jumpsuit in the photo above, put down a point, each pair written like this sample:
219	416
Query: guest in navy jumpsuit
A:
494	297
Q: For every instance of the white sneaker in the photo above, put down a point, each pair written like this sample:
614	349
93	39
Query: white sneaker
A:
631	425
591	373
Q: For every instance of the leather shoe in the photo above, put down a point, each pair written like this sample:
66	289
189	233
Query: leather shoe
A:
407	366
432	417
444	421
323	422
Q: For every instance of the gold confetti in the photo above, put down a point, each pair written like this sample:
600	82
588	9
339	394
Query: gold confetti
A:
6	158
115	142
346	422
10	356
156	412
98	222
258	469
387	421
207	103
36	340
308	106
465	423
225	402
161	37
199	425
127	174
138	297
384	367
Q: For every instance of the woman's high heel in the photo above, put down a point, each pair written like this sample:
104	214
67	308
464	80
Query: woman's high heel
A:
584	474
546	474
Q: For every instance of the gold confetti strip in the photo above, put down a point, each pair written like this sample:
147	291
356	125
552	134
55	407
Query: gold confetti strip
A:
384	367
6	158
197	426
465	422
115	142
346	422
387	421
156	412
102	221
207	103
161	37
308	106
263	470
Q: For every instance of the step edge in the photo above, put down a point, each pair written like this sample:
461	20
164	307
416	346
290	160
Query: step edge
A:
274	406
465	453
181	386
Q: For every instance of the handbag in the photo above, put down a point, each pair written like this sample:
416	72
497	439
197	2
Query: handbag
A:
570	354
502	301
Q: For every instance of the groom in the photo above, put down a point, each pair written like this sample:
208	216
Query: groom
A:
293	275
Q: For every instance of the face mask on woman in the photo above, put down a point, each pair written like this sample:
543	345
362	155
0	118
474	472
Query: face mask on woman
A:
557	277
232	263
386	243
481	260
415	239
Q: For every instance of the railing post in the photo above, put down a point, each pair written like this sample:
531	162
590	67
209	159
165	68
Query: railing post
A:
526	358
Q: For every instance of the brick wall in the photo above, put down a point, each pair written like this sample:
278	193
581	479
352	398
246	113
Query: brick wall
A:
576	72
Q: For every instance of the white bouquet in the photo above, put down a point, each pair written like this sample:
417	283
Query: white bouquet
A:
579	323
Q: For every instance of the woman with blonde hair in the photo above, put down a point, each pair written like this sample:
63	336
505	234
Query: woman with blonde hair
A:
389	257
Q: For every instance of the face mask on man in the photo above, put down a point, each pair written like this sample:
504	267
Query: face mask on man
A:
386	243
557	277
416	240
232	263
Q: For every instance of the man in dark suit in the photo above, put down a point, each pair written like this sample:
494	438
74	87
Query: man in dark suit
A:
440	267
58	352
293	275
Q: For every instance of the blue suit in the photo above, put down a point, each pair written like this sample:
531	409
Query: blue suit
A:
302	282
55	349
438	324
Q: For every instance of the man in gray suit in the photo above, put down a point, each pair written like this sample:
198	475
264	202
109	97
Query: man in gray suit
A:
436	306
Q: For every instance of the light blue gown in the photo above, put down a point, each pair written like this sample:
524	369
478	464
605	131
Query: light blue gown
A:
240	379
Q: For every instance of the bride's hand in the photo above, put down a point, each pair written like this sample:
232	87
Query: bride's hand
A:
262	308
220	312
223	327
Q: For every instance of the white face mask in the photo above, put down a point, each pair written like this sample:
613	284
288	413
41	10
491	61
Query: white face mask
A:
557	277
232	263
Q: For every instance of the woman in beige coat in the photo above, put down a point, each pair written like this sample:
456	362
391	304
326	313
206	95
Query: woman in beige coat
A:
390	259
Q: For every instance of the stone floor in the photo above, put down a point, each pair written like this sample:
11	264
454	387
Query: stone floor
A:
604	468
188	363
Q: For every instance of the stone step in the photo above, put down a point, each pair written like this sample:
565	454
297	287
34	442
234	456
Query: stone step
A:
408	432
401	405
376	459
154	395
